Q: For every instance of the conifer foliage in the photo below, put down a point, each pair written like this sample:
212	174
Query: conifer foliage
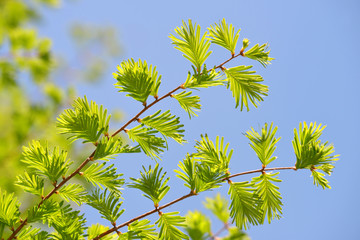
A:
49	171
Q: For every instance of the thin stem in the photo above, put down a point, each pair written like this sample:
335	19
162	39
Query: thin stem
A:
144	215
111	230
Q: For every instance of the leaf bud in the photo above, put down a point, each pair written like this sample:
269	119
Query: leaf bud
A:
246	43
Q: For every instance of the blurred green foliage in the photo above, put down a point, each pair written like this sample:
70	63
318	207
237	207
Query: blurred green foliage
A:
30	91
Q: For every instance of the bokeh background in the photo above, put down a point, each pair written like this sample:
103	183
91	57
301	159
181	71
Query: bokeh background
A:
314	77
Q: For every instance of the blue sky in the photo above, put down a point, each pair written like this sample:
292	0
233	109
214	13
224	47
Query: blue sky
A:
315	77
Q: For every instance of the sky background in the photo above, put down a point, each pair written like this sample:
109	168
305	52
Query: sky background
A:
314	77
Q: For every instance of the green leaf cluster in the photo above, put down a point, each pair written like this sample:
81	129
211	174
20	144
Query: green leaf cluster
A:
140	230
9	209
104	177
269	195
86	121
191	43
166	124
245	205
190	103
168	223
263	143
148	141
137	79
245	86
152	183
108	148
206	168
107	203
312	154
224	35
42	161
260	54
204	79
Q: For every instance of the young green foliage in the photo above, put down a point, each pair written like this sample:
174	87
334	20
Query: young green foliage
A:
137	79
33	184
191	104
149	143
259	54
269	194
213	155
152	184
204	79
245	86
104	177
29	233
236	234
245	205
73	192
108	148
69	224
45	163
49	210
189	41
319	179
86	121
264	143
140	230
168	223
198	226
219	207
311	153
224	35
108	204
96	229
9	209
166	124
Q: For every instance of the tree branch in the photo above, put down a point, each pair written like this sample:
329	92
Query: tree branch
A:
111	230
65	180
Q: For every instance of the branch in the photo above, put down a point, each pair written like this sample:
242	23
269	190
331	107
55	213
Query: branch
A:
111	230
65	180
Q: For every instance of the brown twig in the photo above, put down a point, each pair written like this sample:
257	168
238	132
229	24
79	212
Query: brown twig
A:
111	230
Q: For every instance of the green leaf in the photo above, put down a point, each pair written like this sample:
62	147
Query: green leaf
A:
137	79
189	41
191	104
28	233
245	86
166	124
219	207
269	194
259	54
245	206
96	229
69	224
107	177
149	143
9	209
197	176
320	180
152	183
45	163
49	210
73	192
108	148
308	148
224	35
264	143
108	204
198	226
204	79
140	230
214	155
168	223
86	121
31	183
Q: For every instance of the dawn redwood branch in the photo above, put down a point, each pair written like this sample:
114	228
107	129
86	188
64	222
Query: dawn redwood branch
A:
82	165
111	230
